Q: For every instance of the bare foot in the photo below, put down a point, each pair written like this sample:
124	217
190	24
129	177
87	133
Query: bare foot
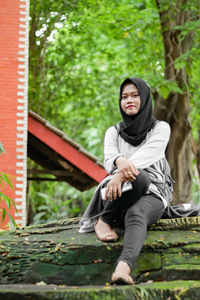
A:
104	232
123	267
122	274
103	227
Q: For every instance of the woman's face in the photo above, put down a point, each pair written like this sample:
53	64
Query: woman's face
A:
130	100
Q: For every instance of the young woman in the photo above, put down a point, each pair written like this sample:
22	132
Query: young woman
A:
139	187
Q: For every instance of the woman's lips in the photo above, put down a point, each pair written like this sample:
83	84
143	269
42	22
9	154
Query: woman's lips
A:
130	106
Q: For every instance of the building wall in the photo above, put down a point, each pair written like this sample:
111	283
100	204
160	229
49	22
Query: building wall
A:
14	15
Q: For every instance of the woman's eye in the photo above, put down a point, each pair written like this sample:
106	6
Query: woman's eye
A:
132	96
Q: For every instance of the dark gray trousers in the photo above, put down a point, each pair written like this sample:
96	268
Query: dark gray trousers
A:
138	210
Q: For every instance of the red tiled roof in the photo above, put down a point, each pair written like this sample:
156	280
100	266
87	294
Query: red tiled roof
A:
61	156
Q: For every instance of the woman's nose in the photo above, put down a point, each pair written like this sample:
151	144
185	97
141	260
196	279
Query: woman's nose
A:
130	99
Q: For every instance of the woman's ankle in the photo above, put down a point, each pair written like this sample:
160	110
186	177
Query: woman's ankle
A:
103	225
123	267
101	222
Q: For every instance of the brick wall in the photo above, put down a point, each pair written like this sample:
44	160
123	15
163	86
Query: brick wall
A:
14	16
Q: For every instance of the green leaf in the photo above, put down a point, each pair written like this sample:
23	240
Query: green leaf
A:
1	148
139	34
3	214
188	69
1	181
5	177
4	196
164	91
7	200
12	222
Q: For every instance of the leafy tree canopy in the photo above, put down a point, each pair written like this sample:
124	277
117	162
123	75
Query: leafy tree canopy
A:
80	51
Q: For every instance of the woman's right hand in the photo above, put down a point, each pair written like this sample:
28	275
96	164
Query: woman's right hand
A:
114	187
126	168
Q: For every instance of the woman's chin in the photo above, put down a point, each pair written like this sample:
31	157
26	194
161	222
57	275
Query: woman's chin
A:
131	112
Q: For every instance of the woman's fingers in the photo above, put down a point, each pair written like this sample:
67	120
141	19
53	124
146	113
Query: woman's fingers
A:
113	189
119	190
112	192
109	192
134	170
106	193
110	196
129	173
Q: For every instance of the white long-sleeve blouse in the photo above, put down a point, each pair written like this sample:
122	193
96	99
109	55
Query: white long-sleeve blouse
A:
150	152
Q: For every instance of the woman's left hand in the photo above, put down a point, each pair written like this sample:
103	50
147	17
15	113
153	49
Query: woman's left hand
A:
113	189
126	168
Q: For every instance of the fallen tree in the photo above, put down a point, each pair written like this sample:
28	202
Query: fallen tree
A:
56	253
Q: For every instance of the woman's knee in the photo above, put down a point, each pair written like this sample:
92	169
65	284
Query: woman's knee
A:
141	183
143	180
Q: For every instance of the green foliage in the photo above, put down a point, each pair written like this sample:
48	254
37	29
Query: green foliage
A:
84	64
59	201
195	191
142	293
80	51
1	148
6	181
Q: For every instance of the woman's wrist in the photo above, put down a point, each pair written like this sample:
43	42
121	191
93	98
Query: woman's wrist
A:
116	160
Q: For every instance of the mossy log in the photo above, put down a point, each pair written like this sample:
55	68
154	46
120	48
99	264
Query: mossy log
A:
56	253
175	290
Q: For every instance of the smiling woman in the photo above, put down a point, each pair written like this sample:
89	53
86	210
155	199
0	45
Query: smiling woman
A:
130	101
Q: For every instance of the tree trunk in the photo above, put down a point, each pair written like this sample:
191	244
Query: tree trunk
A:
196	151
176	108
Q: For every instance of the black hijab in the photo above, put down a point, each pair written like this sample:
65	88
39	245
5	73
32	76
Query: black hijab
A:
133	129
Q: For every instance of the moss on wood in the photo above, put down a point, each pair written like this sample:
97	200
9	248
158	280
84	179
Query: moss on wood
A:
179	290
57	253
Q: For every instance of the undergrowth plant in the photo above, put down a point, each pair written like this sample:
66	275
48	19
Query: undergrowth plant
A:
5	180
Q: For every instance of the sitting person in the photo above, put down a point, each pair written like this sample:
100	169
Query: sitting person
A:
134	153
